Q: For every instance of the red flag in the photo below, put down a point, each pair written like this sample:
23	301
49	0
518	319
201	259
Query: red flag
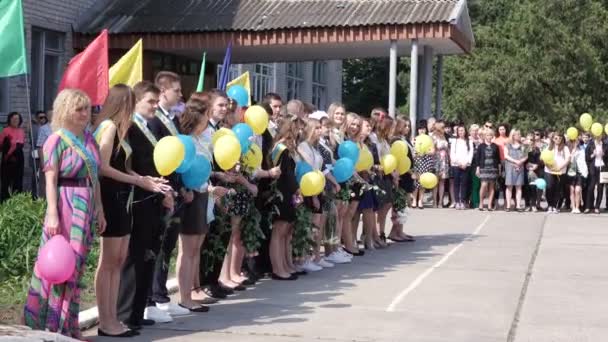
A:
88	70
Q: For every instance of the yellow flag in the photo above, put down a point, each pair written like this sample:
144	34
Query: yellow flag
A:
129	68
243	81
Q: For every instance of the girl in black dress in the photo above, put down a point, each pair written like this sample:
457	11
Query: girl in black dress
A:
283	154
348	231
116	182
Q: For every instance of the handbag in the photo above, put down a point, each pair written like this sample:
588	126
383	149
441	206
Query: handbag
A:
604	177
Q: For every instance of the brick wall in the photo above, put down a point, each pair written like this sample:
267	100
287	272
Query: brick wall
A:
56	15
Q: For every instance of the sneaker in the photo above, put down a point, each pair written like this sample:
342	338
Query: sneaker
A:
344	253
576	211
324	263
173	309
157	315
310	266
338	258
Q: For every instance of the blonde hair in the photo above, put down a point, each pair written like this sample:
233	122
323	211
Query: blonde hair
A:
513	132
66	104
474	127
332	109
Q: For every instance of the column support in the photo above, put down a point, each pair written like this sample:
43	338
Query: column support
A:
392	80
414	86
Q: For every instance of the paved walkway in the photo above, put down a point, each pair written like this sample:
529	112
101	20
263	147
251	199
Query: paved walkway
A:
470	276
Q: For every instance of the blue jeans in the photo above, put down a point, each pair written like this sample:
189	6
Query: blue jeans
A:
461	183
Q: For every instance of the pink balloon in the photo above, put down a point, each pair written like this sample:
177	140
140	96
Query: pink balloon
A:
56	261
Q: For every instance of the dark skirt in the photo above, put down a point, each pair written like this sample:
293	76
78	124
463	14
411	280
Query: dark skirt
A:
194	215
385	183
118	214
368	200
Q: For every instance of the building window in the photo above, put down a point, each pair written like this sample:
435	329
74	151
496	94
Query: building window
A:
234	73
4	97
47	53
295	80
263	81
319	85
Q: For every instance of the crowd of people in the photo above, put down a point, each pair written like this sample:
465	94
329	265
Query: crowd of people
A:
100	176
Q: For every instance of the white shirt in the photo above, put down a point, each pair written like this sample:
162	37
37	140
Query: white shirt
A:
167	113
599	154
561	160
311	155
460	154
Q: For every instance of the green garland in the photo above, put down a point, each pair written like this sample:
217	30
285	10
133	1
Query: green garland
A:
302	241
330	225
345	192
251	233
216	247
400	199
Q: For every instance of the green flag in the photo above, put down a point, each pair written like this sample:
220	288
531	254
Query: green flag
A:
201	76
12	44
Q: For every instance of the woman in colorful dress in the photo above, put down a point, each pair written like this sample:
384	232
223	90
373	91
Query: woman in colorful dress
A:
116	184
71	161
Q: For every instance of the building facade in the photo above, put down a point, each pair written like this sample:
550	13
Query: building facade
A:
318	82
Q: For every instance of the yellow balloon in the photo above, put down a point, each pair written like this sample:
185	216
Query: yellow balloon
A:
596	129
311	184
424	144
586	120
428	180
572	133
404	166
169	153
606	128
253	158
389	163
257	118
227	152
322	177
399	149
220	133
366	160
548	157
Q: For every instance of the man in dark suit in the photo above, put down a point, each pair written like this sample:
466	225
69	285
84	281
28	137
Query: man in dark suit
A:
166	123
145	242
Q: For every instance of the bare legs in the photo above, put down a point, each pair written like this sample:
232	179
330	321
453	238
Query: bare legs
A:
107	281
486	186
230	275
347	228
278	249
188	258
382	214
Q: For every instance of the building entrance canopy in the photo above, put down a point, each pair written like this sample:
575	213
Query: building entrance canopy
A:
287	30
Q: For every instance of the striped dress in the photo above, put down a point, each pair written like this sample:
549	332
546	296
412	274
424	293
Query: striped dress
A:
55	307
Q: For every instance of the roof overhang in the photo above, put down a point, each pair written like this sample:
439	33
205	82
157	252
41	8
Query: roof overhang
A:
303	44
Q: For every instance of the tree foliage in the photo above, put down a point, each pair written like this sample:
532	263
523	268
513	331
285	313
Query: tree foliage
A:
535	64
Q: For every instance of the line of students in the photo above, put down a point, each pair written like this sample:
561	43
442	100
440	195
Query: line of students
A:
105	178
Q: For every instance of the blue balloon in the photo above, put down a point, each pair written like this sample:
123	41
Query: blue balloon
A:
350	150
540	183
243	133
302	168
198	174
190	150
239	94
343	170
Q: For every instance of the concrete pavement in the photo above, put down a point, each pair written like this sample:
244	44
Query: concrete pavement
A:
470	276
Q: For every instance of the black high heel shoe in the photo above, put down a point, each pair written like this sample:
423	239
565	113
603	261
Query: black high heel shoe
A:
128	333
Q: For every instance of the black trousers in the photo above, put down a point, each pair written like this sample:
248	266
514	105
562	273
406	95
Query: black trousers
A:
138	270
556	188
461	184
11	177
593	180
158	291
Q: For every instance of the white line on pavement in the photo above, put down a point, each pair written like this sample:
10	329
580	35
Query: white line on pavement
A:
413	285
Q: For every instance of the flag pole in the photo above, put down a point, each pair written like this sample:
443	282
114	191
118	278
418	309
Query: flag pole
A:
33	143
